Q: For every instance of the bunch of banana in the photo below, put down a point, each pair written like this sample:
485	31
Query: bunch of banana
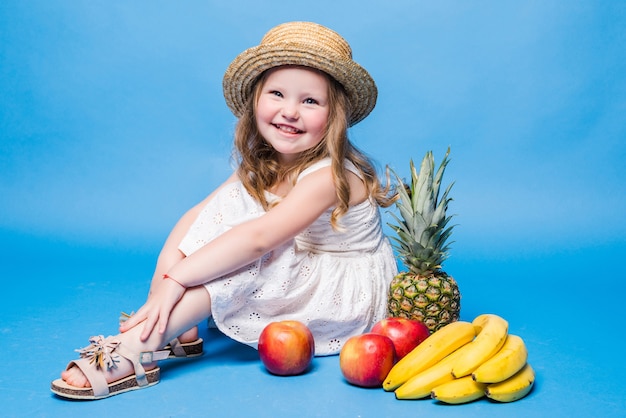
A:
457	364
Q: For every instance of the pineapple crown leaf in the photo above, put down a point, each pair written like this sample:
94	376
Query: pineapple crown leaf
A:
439	175
422	225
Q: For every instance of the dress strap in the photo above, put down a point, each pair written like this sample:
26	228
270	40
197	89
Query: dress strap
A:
325	162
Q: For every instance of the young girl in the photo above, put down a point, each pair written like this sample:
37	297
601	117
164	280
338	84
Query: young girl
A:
293	234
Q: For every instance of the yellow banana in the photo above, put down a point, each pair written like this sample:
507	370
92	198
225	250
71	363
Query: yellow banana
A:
438	345
420	385
505	363
514	388
459	391
491	332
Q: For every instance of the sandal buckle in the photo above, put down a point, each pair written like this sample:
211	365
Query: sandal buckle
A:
146	357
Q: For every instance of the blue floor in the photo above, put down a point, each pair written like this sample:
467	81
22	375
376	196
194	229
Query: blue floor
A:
55	295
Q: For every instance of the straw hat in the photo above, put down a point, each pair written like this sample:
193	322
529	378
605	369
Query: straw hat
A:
307	44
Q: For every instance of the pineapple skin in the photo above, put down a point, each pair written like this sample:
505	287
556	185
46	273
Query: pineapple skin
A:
433	299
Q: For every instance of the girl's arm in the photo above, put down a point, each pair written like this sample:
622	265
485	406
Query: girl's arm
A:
247	242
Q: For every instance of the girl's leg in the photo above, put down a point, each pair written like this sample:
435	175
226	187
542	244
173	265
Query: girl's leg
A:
193	307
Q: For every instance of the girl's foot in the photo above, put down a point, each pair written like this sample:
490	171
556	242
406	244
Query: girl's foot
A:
118	351
108	366
75	377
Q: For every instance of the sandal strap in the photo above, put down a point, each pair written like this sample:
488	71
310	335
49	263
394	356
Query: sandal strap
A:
95	376
177	348
139	359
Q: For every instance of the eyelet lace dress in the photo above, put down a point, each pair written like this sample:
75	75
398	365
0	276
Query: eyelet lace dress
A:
335	282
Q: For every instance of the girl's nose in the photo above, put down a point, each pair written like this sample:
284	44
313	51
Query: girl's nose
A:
289	111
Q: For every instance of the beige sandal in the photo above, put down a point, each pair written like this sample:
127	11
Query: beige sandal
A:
104	354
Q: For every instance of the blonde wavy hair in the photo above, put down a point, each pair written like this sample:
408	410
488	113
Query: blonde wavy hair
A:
259	169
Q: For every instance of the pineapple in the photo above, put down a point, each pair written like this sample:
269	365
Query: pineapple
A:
424	292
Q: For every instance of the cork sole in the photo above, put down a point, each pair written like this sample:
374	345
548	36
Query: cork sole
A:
60	388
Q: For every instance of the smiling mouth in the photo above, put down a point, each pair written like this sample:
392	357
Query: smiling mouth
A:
288	129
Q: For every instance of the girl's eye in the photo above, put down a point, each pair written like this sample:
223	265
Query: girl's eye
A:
310	101
276	93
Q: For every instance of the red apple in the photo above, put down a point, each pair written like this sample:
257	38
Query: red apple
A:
365	360
286	348
406	334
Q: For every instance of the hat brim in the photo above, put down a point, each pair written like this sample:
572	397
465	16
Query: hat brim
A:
243	72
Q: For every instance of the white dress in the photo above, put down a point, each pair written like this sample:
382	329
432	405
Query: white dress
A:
334	282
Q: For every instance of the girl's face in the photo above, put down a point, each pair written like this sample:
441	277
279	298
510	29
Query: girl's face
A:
292	110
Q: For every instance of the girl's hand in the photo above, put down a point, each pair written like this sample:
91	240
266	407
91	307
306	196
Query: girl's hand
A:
157	309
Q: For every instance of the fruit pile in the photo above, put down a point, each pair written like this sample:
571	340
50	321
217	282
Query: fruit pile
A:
462	362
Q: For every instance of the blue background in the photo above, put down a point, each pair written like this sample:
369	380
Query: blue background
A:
112	124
